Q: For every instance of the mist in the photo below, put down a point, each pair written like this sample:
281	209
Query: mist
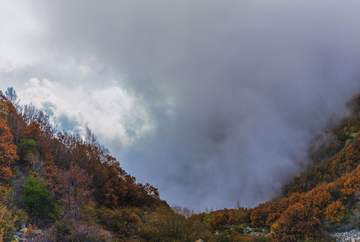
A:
226	96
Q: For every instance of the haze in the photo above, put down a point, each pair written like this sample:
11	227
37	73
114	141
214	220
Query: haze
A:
212	102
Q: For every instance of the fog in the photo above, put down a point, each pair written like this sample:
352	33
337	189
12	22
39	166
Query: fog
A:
211	102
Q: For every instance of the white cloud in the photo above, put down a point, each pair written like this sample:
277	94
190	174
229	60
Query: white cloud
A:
111	112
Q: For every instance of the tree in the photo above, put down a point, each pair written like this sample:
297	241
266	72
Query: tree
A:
33	131
119	220
8	224
14	117
297	223
40	129
184	211
258	218
25	147
4	109
165	225
73	189
12	96
219	220
38	199
7	151
333	210
239	215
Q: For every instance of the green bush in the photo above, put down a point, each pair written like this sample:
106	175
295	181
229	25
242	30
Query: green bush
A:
25	146
36	196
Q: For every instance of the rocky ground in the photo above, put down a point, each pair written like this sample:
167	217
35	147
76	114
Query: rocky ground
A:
352	236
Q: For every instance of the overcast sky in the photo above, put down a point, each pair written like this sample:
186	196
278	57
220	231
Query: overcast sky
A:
212	102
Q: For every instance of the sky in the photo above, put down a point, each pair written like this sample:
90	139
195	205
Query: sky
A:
212	102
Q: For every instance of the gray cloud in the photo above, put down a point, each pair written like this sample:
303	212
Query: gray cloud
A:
234	89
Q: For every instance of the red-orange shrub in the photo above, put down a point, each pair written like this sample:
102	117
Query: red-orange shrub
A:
297	223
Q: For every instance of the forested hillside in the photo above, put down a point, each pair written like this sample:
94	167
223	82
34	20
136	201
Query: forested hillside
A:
322	200
62	187
325	197
58	186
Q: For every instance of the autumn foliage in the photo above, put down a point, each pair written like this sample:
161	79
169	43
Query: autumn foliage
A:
219	220
333	210
65	183
297	223
8	153
323	197
75	190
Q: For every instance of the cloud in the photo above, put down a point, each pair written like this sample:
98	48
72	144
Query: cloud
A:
16	25
215	102
110	112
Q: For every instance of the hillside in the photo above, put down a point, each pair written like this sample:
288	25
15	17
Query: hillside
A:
323	199
327	191
62	187
58	186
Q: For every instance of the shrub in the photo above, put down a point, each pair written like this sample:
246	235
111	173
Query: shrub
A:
120	221
7	224
165	225
25	146
37	198
67	230
297	223
219	220
257	218
333	210
240	216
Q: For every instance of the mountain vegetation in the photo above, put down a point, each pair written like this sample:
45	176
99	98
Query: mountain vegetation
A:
59	186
